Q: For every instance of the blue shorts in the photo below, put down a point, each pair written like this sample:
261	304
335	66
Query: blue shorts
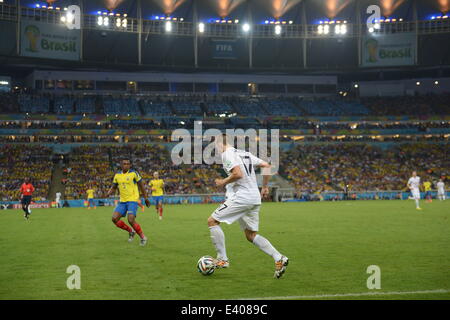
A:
158	199
427	193
91	202
125	208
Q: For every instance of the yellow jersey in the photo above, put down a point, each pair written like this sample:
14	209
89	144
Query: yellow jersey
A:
427	186
157	186
90	193
127	185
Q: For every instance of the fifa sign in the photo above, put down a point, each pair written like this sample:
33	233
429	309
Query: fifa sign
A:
224	49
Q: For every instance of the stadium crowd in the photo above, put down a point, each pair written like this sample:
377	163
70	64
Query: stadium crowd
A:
362	167
94	166
18	163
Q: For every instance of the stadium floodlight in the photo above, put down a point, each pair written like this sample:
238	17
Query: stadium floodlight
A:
168	26
418	83
246	27
337	29
356	86
278	30
436	82
201	27
320	29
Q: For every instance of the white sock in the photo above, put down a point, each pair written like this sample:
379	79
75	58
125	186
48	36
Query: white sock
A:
417	203
266	247
218	240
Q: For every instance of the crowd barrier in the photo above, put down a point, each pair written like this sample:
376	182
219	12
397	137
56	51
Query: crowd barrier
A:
365	195
218	198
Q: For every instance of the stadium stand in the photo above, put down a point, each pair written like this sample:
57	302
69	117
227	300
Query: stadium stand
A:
329	167
17	163
121	106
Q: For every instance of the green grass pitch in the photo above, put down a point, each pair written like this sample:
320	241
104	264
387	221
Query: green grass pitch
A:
330	246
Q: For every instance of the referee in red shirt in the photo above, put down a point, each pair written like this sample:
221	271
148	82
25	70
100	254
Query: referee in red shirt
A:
27	190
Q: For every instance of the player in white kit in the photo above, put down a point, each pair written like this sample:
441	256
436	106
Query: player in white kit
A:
242	204
440	190
413	185
58	200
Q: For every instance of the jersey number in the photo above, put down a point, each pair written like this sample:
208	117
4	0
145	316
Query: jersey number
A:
248	166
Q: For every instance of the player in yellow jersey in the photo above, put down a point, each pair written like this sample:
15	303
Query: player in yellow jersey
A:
90	198
129	183
157	186
427	189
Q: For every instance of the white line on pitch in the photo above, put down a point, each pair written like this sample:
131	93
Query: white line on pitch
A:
339	295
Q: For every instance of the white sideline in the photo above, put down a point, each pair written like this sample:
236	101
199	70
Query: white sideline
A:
339	295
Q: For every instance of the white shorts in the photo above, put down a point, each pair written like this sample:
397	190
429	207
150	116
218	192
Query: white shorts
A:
415	194
441	192
246	214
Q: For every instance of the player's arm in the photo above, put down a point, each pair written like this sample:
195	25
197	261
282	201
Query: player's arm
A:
143	192
112	190
236	174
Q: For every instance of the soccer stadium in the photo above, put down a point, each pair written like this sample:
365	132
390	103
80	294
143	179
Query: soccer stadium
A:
227	149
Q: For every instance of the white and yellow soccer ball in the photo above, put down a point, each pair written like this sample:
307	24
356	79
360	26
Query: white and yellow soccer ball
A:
206	266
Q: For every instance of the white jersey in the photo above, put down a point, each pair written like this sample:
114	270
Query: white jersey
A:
244	190
440	186
58	196
414	182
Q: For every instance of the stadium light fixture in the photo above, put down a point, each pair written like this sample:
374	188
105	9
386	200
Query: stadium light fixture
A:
320	29
201	27
246	27
356	86
418	83
278	29
436	82
168	26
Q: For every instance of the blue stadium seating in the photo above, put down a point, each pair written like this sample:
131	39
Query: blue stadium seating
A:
250	109
219	108
121	106
187	108
34	104
151	108
327	107
281	108
85	105
64	105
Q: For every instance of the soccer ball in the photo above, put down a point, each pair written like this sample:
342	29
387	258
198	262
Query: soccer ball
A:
205	265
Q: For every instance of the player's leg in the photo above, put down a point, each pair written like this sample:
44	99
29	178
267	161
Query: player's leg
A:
118	213
416	195
228	212
160	208
132	211
25	207
250	224
218	240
